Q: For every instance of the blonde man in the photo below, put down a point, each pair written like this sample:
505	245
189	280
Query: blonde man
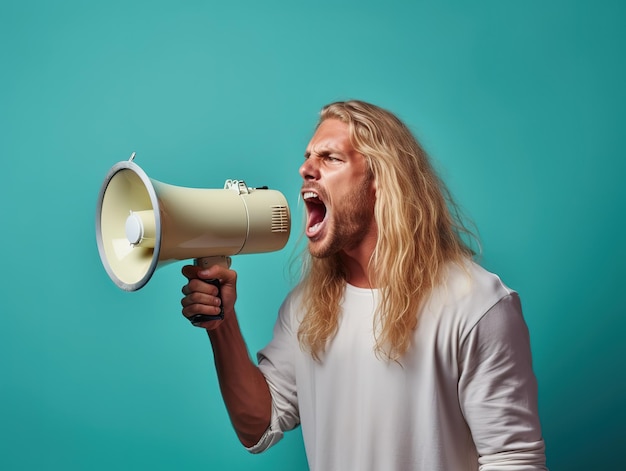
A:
396	351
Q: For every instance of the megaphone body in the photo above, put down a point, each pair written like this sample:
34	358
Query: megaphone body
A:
142	224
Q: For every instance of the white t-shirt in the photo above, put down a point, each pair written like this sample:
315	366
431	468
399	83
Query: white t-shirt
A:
464	397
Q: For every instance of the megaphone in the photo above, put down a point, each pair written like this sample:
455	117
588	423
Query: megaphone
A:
143	224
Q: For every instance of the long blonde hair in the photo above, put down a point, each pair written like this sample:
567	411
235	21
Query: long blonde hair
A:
419	230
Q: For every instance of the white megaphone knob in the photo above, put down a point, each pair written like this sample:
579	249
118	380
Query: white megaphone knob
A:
140	228
134	229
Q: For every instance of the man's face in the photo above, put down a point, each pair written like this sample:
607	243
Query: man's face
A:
339	192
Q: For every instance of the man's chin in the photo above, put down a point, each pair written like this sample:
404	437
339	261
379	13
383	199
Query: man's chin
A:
317	250
316	253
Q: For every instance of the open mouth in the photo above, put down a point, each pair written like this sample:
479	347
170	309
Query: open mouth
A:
316	210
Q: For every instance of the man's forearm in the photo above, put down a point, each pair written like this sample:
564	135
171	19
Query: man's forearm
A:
244	389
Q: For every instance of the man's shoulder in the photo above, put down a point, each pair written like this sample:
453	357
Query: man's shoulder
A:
467	291
469	280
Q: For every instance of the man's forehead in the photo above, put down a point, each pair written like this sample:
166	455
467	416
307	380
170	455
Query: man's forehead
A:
331	136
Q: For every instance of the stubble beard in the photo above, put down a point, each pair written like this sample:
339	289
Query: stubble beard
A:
351	221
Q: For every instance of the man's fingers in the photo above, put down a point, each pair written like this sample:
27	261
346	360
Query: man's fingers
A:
202	297
211	307
218	272
200	286
196	298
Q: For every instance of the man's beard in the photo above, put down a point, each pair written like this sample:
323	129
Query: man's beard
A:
351	221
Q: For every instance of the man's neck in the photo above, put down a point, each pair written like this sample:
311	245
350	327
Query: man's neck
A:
356	266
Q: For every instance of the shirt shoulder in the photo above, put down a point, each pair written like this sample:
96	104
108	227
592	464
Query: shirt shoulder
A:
466	293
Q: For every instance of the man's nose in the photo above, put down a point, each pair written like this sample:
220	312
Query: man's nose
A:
309	169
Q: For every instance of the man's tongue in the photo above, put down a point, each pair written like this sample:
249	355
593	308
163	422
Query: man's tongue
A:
317	213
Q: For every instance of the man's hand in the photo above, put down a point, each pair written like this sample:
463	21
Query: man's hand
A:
202	297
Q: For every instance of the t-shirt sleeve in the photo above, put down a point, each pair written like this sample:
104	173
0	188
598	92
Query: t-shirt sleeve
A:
277	363
498	390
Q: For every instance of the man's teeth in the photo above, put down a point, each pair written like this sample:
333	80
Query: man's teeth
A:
309	194
315	227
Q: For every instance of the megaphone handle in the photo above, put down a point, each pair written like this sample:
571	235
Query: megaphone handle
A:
206	262
200	318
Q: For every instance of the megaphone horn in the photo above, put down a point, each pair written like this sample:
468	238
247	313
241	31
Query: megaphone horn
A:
142	224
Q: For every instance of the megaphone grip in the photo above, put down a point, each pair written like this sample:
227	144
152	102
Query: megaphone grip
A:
200	318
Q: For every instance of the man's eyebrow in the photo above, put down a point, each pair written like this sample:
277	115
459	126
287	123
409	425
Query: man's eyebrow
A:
322	152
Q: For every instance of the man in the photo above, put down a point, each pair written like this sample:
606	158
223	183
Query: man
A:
395	351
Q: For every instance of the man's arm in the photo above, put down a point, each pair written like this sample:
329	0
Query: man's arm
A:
498	391
244	388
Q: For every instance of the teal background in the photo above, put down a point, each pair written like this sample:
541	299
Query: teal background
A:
521	104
